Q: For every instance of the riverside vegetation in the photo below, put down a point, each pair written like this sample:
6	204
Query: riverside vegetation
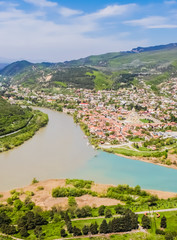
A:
25	220
18	124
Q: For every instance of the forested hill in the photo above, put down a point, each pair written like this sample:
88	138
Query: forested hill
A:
106	71
15	68
12	117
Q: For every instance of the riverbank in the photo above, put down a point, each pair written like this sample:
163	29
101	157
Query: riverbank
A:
163	158
41	194
148	160
12	140
170	162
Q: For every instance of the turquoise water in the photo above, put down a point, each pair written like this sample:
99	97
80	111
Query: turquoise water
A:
109	168
60	151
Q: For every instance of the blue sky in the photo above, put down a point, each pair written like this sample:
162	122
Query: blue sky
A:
59	30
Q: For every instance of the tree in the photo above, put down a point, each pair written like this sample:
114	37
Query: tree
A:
7	229
67	218
38	232
153	201
170	235
4	219
108	213
69	227
18	204
30	220
24	232
84	212
163	223
146	223
101	210
63	233
85	230
94	228
72	202
114	225
39	220
119	209
28	203
134	221
104	227
76	231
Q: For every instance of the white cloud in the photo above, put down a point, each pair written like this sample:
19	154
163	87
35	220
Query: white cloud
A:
152	22
147	22
26	36
42	3
67	12
112	10
32	36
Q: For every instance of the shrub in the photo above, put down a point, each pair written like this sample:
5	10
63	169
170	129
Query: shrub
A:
72	202
40	188
29	193
160	232
74	192
34	181
79	183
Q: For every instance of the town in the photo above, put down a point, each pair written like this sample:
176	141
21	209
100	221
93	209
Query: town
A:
134	119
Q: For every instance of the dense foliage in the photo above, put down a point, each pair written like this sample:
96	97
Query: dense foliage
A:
66	192
38	120
74	77
79	183
13	117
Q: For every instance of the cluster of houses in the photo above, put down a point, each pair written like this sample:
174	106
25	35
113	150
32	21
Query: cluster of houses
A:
119	125
110	115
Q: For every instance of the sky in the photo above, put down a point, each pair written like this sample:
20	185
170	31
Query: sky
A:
61	30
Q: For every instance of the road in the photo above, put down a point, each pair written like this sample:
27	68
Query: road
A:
5	135
118	215
108	234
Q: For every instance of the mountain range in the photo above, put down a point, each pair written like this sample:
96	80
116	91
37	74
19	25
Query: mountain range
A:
105	71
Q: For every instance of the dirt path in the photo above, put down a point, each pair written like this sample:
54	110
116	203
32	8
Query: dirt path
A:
106	235
138	213
4	235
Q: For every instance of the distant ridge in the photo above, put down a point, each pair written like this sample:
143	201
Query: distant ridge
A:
153	48
15	67
74	72
3	65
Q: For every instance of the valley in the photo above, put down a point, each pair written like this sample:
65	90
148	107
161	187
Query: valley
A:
90	118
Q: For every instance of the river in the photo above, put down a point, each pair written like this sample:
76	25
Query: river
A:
60	150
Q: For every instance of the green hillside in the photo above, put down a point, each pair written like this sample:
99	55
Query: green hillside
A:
12	117
18	124
73	77
15	68
106	71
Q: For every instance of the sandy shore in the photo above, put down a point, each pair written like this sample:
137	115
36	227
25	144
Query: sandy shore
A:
44	199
